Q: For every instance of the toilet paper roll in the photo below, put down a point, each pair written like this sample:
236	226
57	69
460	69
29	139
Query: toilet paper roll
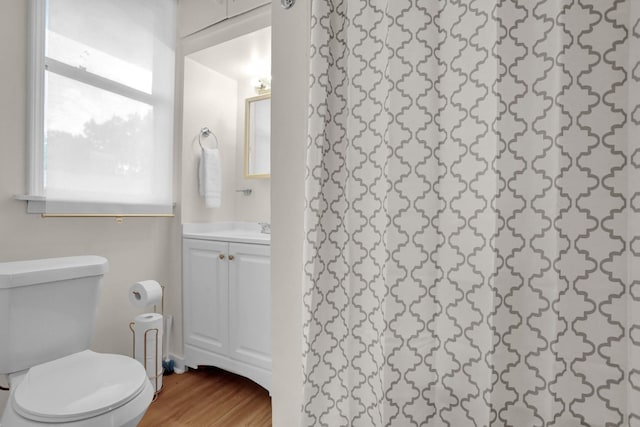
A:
141	324
145	293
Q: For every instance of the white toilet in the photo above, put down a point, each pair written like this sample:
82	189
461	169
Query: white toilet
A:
47	320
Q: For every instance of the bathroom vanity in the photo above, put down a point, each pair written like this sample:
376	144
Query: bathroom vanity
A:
227	298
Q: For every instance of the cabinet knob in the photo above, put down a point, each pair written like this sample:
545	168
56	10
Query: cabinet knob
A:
231	257
221	256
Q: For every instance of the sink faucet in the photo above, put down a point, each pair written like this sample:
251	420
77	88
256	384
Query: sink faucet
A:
265	227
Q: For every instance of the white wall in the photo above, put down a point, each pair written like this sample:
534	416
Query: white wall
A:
137	249
290	47
210	100
213	100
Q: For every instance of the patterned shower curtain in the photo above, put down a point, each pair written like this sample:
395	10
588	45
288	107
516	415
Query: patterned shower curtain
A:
473	214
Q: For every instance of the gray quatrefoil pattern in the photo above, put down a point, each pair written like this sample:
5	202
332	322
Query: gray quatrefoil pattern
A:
472	214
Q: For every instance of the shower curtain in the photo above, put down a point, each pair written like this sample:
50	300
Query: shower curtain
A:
472	220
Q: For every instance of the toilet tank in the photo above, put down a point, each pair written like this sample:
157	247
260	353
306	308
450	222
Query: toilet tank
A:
47	309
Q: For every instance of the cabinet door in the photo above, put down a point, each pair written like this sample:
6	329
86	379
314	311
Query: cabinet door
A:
205	295
194	15
236	7
250	303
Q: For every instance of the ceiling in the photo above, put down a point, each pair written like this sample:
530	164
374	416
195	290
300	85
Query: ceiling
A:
245	57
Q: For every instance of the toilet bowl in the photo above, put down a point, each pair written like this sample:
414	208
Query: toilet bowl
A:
47	320
83	389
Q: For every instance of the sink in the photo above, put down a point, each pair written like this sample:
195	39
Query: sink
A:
229	231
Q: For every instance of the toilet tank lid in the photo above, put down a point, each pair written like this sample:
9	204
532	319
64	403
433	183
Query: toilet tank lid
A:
24	273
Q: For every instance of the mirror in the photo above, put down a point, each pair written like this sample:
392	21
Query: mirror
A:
257	149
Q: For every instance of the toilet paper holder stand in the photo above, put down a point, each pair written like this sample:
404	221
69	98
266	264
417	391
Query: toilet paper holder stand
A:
157	374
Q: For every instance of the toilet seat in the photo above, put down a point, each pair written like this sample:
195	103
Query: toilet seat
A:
79	386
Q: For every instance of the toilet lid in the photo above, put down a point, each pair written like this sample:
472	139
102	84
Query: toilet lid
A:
79	386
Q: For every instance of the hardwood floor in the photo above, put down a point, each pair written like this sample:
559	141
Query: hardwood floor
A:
209	397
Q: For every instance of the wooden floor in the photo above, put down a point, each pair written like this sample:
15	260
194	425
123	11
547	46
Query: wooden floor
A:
209	397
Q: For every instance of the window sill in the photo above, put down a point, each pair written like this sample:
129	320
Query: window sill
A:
35	204
39	205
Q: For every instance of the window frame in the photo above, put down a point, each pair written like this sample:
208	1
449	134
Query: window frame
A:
37	65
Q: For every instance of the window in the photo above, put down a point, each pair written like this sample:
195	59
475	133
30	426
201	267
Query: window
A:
101	127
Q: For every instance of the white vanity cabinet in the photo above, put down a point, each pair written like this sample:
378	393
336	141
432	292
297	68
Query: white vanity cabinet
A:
250	304
206	296
227	307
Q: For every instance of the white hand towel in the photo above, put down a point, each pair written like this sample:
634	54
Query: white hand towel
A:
210	177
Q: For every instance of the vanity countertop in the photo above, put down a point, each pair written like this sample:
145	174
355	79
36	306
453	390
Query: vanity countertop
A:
229	231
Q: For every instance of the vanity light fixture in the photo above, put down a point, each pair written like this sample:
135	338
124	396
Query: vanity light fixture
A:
263	87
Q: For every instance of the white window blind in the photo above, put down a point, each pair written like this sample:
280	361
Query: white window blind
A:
102	113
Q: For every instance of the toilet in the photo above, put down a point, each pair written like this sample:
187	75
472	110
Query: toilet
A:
47	319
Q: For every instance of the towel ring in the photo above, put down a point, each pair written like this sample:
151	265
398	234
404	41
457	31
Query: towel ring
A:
206	132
